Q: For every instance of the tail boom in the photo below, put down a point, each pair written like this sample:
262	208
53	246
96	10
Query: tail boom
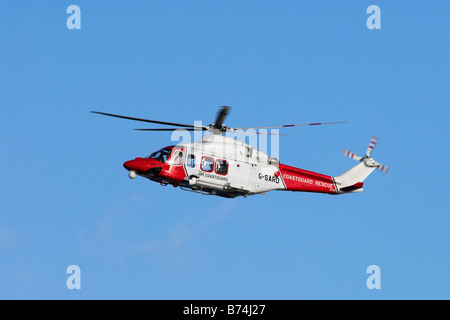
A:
296	179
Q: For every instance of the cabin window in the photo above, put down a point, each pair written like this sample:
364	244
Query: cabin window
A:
190	160
207	164
221	166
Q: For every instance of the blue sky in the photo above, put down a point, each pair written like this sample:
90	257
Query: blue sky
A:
67	200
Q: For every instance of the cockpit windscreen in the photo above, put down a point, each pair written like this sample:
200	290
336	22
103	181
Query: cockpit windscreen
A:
161	155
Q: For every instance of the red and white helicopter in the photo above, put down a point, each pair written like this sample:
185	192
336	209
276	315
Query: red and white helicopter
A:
223	166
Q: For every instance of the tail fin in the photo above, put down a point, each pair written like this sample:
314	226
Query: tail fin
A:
352	180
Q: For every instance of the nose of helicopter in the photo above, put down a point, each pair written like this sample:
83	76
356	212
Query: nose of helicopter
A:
136	165
142	165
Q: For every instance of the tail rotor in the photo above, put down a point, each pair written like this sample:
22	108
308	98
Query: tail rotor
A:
383	168
347	153
373	142
368	160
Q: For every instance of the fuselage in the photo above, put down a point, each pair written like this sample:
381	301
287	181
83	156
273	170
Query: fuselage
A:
226	167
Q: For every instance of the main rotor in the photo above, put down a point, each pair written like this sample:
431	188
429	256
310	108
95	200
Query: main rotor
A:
217	127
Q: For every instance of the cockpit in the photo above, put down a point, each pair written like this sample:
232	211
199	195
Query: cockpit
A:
162	155
170	155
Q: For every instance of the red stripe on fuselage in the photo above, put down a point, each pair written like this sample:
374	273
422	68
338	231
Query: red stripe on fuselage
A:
302	180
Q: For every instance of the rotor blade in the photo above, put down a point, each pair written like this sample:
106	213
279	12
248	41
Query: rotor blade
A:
373	142
270	134
146	120
383	168
261	133
172	129
293	125
351	155
221	117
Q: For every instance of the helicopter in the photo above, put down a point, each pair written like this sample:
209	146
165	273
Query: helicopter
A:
223	166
